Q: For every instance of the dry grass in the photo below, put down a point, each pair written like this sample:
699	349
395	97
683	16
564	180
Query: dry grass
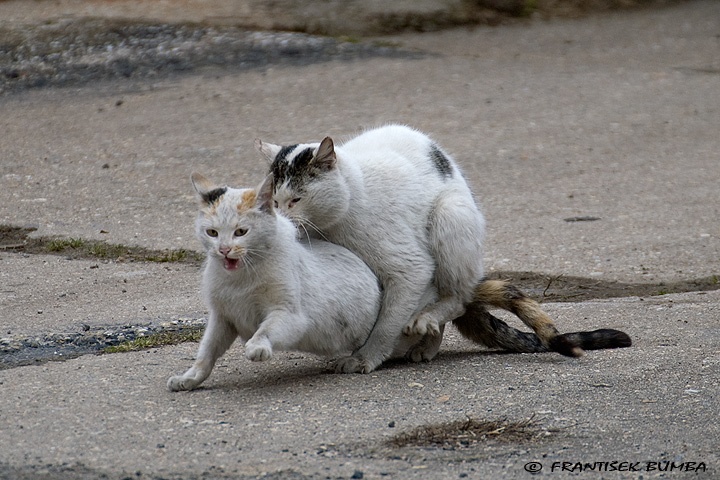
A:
465	433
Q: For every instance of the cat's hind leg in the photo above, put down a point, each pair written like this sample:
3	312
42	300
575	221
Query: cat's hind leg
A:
218	337
455	233
402	296
427	348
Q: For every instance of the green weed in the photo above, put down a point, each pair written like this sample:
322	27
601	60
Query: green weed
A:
156	340
60	245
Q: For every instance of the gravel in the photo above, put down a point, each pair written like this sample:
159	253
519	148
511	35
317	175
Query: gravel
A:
71	51
20	351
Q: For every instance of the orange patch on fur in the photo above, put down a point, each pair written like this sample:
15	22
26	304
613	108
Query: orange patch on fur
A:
247	201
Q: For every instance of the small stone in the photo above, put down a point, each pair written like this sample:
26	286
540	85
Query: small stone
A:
358	474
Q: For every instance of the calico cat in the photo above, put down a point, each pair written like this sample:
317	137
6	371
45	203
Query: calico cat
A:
272	290
393	197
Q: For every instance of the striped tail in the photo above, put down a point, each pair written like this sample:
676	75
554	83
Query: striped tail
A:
480	326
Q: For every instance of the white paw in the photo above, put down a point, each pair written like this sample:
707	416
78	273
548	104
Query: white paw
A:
258	350
421	325
180	383
422	353
354	365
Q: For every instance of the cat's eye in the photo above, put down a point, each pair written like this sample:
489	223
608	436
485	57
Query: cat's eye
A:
276	204
211	232
240	232
293	202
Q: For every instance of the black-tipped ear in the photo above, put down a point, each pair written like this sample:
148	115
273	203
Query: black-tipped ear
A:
264	200
268	150
207	191
325	158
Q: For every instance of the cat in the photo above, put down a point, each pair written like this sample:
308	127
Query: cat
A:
273	290
397	200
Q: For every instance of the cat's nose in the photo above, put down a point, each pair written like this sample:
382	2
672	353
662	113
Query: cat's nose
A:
224	250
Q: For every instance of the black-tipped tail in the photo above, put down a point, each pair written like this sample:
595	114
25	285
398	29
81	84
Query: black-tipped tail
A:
599	339
480	326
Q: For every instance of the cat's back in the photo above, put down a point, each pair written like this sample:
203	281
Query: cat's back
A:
393	152
393	140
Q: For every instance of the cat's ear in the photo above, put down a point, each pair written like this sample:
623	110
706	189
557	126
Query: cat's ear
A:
201	183
264	200
325	158
268	150
207	191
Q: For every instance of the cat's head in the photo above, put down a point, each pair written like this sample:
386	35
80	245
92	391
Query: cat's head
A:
309	188
235	226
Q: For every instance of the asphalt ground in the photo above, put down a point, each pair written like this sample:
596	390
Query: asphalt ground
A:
612	117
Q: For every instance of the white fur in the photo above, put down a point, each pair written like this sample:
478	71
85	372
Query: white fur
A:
420	231
286	294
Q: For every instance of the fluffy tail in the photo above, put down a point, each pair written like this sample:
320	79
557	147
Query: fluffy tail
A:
480	326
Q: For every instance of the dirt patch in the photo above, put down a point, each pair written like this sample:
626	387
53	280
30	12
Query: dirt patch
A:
18	239
562	288
66	52
466	433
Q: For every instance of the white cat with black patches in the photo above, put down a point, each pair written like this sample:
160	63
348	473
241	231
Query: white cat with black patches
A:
271	289
394	198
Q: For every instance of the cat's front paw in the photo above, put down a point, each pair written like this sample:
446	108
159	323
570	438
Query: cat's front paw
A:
353	365
258	350
423	324
180	383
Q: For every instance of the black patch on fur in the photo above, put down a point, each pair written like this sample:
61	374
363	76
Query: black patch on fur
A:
302	159
294	172
212	196
441	162
284	152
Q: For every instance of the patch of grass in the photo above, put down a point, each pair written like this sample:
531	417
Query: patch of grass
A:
62	244
349	39
464	433
105	250
156	340
180	255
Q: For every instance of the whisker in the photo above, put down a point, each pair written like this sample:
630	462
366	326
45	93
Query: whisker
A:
250	264
307	235
314	227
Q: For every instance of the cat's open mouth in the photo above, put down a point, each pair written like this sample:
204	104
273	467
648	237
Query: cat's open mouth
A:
231	263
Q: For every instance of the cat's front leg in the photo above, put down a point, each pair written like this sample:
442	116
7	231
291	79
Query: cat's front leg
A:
218	337
258	349
280	330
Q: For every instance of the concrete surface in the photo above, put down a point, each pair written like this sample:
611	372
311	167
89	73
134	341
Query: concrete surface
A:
611	116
